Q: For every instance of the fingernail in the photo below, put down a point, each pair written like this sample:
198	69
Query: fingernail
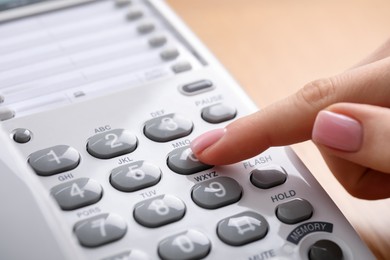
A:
337	131
206	140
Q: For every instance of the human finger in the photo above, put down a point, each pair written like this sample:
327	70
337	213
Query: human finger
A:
291	120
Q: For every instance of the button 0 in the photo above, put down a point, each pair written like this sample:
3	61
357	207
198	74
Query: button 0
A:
268	176
100	230
54	160
111	144
218	113
216	193
294	211
159	211
186	245
242	228
77	193
324	250
135	176
168	127
183	161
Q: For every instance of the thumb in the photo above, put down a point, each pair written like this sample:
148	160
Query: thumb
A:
358	133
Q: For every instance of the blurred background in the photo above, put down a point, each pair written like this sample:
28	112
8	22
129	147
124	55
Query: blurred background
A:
273	47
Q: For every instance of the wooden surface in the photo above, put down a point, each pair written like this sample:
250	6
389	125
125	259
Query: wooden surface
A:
274	47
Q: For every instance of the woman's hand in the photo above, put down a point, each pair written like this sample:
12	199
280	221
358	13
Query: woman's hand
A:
347	116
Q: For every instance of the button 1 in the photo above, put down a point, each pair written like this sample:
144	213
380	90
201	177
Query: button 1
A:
196	87
159	211
186	245
54	160
218	113
77	193
294	211
100	230
135	176
324	250
111	144
167	128
268	176
243	228
22	135
183	161
216	193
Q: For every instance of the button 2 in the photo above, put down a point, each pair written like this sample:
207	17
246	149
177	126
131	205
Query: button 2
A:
111	144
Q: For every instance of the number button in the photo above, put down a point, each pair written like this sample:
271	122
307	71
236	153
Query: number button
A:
167	128
100	230
54	160
216	193
183	161
190	244
135	176
159	211
78	193
111	144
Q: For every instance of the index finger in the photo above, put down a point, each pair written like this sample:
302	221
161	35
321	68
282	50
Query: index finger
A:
291	119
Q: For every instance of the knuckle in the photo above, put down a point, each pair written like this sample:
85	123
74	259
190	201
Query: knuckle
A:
317	93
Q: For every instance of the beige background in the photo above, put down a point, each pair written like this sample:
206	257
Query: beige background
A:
274	47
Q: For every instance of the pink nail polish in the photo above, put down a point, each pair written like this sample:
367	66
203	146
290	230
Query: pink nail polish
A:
207	139
337	131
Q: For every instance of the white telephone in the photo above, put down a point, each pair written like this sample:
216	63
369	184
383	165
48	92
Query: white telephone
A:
99	101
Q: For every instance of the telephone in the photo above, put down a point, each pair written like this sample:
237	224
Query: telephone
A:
99	101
